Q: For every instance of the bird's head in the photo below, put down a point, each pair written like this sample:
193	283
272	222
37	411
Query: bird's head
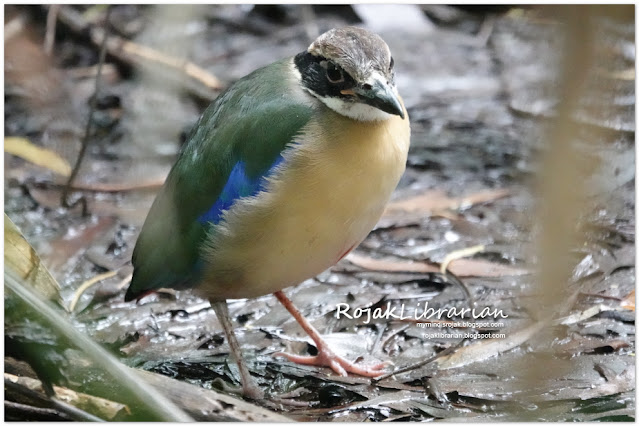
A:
351	71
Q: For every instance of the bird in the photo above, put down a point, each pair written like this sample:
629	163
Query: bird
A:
284	174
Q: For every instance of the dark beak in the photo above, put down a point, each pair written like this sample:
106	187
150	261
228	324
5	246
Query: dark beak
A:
381	96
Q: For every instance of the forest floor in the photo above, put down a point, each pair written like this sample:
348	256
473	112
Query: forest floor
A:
481	89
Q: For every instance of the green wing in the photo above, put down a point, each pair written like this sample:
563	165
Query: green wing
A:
236	142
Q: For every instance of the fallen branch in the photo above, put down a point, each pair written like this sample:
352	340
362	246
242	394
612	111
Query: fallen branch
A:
100	407
15	411
42	157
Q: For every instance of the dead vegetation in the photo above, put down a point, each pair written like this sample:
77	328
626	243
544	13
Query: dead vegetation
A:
520	184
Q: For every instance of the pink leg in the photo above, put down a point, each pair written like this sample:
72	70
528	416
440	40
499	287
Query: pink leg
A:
325	357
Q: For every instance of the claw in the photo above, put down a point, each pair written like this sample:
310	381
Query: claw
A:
340	365
325	356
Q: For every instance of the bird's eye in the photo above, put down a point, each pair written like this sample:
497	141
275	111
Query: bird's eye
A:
334	74
392	64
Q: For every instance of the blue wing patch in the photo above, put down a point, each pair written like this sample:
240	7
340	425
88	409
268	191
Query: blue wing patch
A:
238	185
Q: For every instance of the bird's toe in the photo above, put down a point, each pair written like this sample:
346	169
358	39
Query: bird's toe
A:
340	365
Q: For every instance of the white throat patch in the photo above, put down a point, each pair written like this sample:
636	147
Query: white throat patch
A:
354	110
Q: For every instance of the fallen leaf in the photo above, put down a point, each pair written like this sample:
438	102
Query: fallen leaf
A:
488	348
483	268
436	200
585	314
387	265
22	259
460	254
581	344
65	249
23	148
459	267
623	382
207	404
629	301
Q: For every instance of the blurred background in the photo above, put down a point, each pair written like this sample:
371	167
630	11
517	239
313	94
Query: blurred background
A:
521	171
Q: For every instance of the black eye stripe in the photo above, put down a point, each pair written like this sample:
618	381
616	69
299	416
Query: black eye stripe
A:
314	73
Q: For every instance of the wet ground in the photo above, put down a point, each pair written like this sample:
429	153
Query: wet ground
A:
481	88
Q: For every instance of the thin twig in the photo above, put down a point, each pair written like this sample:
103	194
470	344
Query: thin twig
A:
88	284
33	411
87	133
378	340
49	37
126	280
459	254
455	280
485	31
153	55
91	71
74	412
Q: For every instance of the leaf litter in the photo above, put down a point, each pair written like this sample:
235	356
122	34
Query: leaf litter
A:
467	183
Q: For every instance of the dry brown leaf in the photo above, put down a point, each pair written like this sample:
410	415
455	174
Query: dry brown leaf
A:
29	70
580	344
627	74
42	157
459	267
387	265
488	348
23	260
460	254
437	200
483	268
65	248
629	301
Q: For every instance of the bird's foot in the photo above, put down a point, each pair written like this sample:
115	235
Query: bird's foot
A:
248	391
251	391
327	358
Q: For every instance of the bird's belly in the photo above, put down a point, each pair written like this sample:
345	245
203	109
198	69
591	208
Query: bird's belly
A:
300	238
305	243
311	215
